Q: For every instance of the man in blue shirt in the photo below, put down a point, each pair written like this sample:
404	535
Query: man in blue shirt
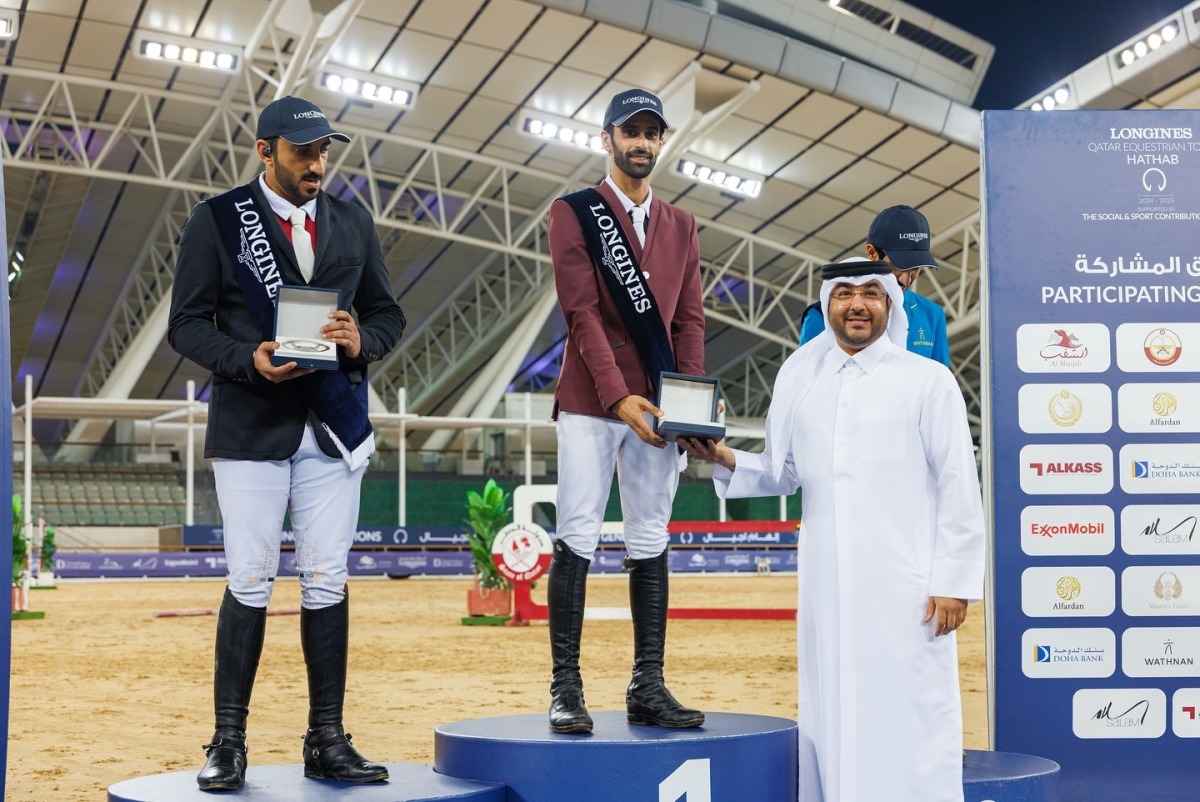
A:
899	235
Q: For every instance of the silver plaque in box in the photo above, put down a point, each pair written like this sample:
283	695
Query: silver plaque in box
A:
300	312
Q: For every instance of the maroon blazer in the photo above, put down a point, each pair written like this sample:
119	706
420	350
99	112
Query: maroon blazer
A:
600	364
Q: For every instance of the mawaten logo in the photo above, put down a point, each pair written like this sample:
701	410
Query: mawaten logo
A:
1162	347
1065	408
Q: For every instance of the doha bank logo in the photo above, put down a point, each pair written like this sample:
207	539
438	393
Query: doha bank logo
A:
1162	347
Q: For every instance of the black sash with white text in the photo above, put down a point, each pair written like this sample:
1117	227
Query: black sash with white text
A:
613	257
242	224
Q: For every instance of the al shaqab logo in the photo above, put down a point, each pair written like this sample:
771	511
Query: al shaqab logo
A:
1162	347
1065	408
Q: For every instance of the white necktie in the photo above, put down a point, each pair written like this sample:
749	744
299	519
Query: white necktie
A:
302	243
638	214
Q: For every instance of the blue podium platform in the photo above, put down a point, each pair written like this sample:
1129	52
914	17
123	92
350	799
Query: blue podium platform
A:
408	783
1009	777
732	757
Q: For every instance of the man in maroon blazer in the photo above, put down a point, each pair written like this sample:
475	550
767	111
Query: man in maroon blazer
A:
604	401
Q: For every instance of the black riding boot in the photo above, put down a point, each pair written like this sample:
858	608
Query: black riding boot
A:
565	597
647	701
240	631
328	753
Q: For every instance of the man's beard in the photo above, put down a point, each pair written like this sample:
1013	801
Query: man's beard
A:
634	170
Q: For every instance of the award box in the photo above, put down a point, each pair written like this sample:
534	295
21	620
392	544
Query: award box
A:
300	312
690	407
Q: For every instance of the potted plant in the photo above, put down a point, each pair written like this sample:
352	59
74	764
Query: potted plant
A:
487	513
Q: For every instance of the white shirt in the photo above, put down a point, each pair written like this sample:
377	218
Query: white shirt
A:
282	206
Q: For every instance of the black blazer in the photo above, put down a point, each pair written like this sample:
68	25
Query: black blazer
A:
249	417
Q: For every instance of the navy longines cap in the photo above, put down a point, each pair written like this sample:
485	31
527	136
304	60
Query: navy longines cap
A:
902	233
628	103
297	120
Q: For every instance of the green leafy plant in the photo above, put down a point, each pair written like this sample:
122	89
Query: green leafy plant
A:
487	513
48	549
20	543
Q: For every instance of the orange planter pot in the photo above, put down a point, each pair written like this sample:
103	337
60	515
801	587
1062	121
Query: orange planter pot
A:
497	601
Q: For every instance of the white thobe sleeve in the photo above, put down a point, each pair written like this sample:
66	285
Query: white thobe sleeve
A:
754	477
958	554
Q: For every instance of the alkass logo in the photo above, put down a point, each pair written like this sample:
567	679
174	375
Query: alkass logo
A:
1163	347
1063	345
1072	468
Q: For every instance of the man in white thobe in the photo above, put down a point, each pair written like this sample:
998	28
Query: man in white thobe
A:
891	547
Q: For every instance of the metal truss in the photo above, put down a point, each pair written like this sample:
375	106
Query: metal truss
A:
464	198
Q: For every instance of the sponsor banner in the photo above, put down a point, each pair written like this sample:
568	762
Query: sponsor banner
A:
1161	590
1160	468
1160	529
1158	347
1077	652
1064	408
748	538
389	536
1067	530
1063	469
434	562
1185	713
70	565
212	535
1160	652
1063	348
1159	408
1119	713
1091	276
1068	591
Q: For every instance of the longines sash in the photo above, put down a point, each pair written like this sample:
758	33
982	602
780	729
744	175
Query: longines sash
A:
613	257
341	407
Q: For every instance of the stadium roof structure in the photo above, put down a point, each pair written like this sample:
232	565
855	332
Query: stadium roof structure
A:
793	124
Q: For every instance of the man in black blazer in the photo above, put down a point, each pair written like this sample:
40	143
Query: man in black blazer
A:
284	438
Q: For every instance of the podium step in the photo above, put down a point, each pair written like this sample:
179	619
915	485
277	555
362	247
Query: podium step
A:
408	783
1009	777
732	756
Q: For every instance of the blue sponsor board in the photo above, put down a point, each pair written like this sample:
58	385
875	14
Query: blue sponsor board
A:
1092	290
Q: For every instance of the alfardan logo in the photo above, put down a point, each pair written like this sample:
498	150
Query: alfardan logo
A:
1063	345
1068	588
1066	468
1162	347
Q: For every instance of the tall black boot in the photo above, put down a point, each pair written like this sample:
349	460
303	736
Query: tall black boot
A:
328	753
240	631
647	701
565	597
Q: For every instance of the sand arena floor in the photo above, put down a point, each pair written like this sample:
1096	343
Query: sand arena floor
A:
102	692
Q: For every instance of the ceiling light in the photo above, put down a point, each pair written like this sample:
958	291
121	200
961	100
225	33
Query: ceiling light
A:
369	87
1056	98
155	46
1147	44
8	24
560	130
719	176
